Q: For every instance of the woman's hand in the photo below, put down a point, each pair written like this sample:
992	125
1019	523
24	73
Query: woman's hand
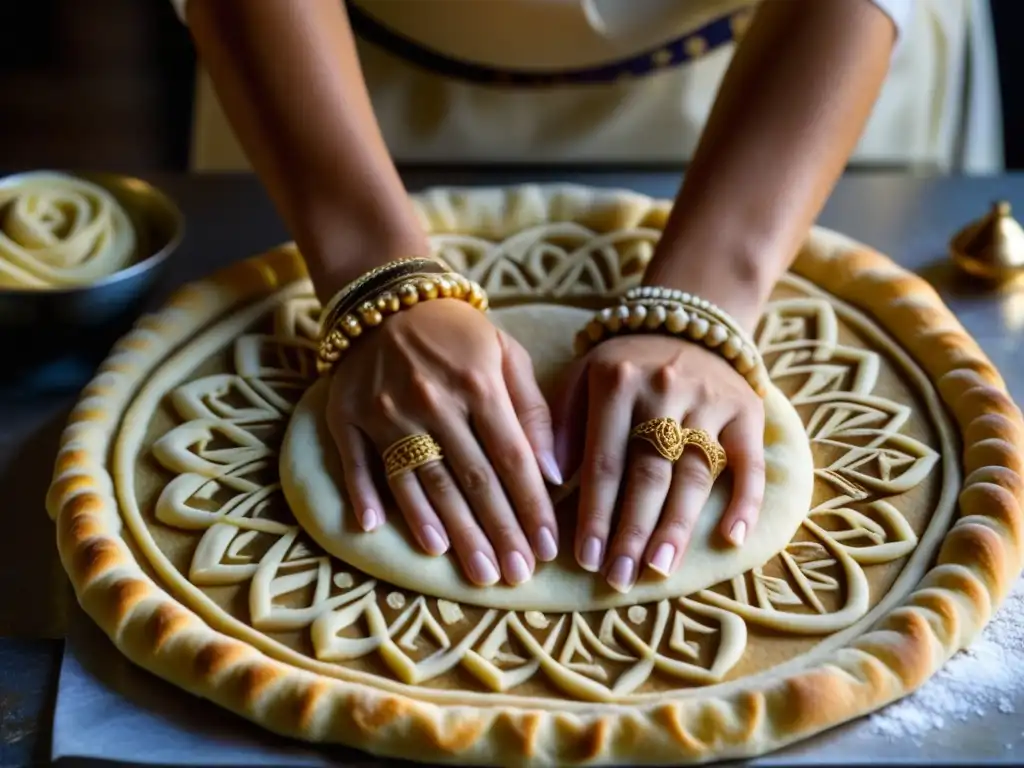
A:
443	369
624	382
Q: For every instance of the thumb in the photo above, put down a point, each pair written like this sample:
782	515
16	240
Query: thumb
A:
530	405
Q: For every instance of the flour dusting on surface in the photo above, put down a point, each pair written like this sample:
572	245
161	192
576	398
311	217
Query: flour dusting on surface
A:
979	682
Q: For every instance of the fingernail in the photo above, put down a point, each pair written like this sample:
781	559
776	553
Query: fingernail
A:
547	547
590	554
369	520
738	532
482	569
662	560
518	570
433	541
621	575
549	466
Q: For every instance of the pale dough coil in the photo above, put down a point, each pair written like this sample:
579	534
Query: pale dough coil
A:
58	231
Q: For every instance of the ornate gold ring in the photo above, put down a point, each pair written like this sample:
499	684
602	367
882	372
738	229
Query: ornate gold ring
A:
712	449
670	440
664	434
410	453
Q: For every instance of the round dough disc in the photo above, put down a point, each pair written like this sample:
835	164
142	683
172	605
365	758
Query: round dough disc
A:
313	483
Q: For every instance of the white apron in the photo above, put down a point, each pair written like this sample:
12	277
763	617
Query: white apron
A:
629	81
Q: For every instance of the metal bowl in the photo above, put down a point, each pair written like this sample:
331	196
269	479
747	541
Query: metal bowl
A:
41	326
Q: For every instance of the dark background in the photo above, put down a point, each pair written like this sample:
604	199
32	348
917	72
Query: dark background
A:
108	84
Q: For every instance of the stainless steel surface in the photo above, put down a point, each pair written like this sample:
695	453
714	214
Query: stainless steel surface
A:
229	217
40	325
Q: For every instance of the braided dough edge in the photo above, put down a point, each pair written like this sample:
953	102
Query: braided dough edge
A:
977	563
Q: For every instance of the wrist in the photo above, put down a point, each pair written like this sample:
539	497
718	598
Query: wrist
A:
342	235
343	251
736	280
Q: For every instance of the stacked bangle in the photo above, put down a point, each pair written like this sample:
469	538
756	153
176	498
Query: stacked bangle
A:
677	313
372	283
368	301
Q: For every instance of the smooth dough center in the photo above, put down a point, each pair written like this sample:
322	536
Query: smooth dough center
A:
312	480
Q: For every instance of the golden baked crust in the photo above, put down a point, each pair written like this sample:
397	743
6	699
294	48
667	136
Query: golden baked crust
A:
977	562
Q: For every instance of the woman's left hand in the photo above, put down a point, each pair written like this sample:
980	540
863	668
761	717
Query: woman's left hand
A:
621	383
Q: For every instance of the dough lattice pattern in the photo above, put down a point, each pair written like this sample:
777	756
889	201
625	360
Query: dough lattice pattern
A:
225	485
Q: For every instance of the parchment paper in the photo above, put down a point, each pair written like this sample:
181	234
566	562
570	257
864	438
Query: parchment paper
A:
107	709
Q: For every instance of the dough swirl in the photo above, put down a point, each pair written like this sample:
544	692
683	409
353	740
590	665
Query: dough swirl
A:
58	231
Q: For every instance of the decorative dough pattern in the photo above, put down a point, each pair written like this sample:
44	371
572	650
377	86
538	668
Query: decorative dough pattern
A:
948	587
854	528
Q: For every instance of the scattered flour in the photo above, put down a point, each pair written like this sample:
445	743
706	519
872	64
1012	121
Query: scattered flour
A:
981	681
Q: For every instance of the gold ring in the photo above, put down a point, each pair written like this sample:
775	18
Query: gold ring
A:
410	453
712	449
664	434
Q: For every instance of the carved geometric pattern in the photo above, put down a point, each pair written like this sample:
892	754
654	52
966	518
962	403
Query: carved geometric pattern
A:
225	484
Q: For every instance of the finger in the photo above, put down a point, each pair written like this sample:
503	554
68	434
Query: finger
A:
389	425
609	413
569	416
648	478
474	551
425	524
530	406
485	496
510	454
357	466
743	440
691	485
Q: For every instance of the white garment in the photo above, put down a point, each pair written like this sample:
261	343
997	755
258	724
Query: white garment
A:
939	108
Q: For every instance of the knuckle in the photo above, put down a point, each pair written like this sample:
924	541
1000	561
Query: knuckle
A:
514	462
466	534
652	472
475	479
428	395
710	397
384	407
676	527
693	471
535	414
664	379
505	535
359	462
533	509
605	464
477	385
631	535
754	464
614	375
436	479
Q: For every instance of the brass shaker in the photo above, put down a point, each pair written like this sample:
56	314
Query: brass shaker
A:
991	248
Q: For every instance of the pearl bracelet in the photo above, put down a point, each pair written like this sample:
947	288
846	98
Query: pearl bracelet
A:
695	320
337	337
694	304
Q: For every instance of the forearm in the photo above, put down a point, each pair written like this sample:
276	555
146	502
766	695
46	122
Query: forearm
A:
788	115
289	80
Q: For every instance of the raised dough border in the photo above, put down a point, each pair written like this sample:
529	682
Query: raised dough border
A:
978	561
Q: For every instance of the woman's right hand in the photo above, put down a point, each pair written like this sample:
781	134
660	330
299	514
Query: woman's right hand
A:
441	368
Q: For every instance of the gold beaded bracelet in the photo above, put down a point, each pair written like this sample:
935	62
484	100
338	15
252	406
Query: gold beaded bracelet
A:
407	291
695	319
372	283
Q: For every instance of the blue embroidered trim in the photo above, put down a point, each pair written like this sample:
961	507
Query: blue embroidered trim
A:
683	49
